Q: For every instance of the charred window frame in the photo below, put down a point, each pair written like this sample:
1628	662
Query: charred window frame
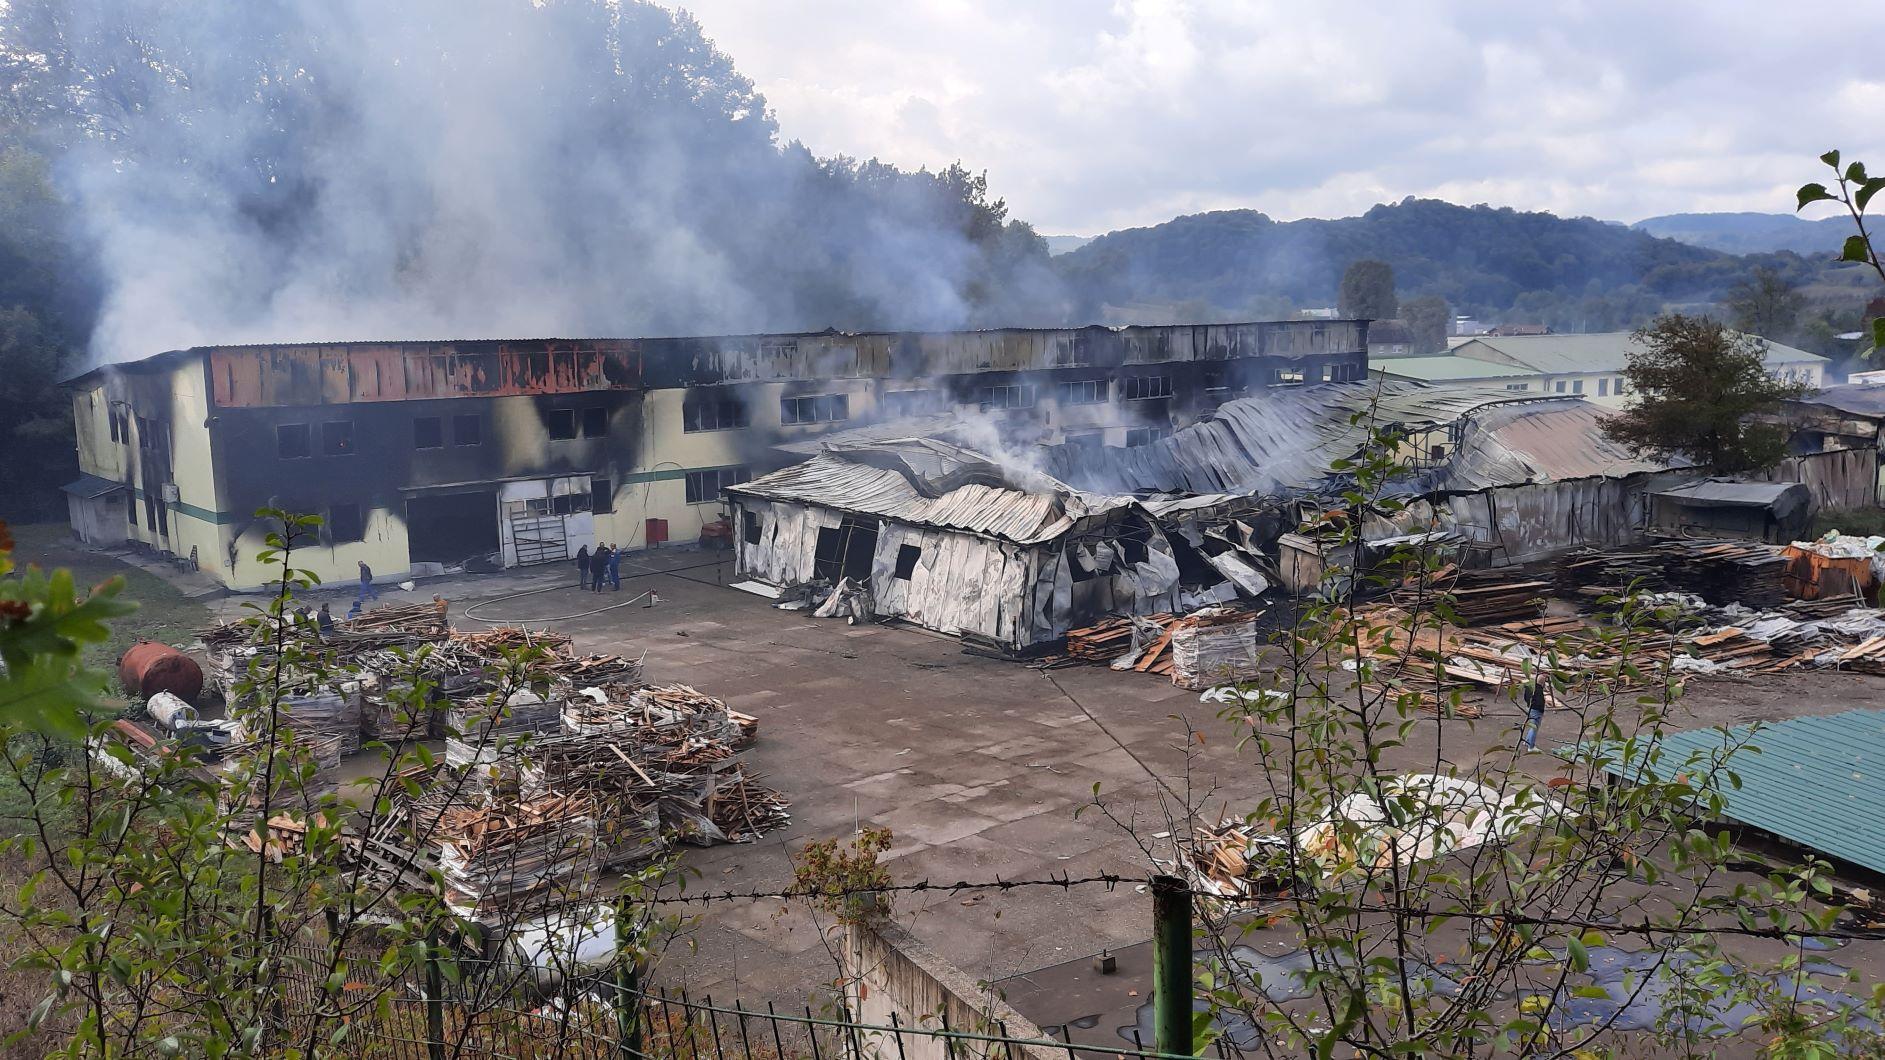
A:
817	408
130	509
570	503
1216	379
700	414
704	486
1082	392
467	430
561	423
337	438
601	496
344	524
1138	436
595	422
112	415
1006	396
292	441
749	526
428	432
1145	387
907	557
1286	376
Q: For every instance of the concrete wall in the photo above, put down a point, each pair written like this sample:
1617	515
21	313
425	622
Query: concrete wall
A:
888	970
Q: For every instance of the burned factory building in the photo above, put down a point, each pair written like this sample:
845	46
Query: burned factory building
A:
425	456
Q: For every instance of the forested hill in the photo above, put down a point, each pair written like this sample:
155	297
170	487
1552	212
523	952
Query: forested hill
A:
1499	263
1751	233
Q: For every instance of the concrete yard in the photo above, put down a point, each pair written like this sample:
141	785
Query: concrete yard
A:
978	766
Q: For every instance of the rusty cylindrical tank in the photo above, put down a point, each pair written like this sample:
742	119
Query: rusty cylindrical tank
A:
150	667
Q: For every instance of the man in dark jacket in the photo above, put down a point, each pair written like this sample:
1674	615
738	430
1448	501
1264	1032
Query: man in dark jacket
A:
599	565
582	567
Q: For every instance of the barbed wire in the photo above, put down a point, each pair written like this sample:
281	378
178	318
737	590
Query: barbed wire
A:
1111	881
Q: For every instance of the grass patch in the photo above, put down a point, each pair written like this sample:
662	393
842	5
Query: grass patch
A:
163	613
1850	522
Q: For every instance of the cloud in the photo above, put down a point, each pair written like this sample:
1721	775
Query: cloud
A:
1089	118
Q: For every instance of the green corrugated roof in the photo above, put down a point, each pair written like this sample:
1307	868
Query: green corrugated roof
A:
1445	367
1605	351
1817	782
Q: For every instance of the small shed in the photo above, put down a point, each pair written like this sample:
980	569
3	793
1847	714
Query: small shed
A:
1766	511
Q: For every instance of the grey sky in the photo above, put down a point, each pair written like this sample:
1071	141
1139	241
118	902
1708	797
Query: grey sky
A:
1090	116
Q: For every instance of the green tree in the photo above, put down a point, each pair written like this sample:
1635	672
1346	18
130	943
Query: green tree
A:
1699	388
1368	291
1766	304
1428	318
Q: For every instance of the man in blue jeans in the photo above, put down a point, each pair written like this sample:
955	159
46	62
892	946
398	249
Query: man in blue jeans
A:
615	569
367	590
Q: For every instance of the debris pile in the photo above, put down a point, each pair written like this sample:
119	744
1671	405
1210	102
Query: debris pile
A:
1477	597
1591	573
1726	572
1236	860
517	857
1215	646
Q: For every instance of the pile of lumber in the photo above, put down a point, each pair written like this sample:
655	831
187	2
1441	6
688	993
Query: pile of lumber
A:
1592	572
1106	640
423	618
1214	646
1478	597
1730	648
1726	572
1866	657
335	714
1236	861
518	856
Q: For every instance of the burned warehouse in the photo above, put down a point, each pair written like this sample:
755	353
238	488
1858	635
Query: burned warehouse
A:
424	456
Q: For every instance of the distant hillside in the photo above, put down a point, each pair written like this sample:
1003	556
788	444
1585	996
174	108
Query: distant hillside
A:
1575	274
1063	244
1751	233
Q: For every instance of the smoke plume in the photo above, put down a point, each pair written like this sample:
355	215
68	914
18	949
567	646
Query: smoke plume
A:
260	170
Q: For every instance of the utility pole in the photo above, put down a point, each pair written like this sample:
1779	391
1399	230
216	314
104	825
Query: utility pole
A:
1171	965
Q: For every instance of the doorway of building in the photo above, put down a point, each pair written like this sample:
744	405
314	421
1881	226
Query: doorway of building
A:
451	528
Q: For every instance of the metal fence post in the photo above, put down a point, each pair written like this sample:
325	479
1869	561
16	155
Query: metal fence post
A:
627	988
1171	965
434	1000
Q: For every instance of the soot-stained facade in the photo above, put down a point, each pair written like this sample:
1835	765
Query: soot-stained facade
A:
423	455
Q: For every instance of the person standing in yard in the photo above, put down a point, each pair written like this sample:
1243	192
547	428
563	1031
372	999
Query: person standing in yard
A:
615	569
582	567
599	564
1534	710
367	589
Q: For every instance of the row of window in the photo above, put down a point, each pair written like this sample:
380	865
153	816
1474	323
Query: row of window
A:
148	431
1606	386
703	487
294	441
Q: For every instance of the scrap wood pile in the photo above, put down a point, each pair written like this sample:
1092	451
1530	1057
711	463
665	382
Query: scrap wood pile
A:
422	619
1592	572
1477	597
1236	860
517	856
1213	645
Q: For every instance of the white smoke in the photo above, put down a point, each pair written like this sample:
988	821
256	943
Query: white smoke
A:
253	171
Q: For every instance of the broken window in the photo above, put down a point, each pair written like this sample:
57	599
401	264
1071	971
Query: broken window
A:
1286	376
713	414
291	441
561	424
112	415
1082	392
428	432
467	430
749	527
343	524
337	437
595	422
907	555
1216	379
1009	396
821	408
703	487
900	403
601	496
1139	436
1143	387
569	503
828	553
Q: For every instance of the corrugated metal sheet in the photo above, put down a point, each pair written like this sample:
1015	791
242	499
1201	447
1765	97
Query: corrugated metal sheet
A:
1717	493
1817	782
1543	442
1860	399
1606	351
887	487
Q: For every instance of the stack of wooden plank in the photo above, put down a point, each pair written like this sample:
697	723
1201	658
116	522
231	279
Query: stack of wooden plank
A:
324	714
1106	640
1866	657
519	856
1480	597
1726	572
593	670
1591	572
407	618
1215	646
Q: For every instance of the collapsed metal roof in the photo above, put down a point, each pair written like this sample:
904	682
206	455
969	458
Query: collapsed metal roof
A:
924	482
1783	497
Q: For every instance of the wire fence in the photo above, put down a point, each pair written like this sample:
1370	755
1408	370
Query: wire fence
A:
500	1011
